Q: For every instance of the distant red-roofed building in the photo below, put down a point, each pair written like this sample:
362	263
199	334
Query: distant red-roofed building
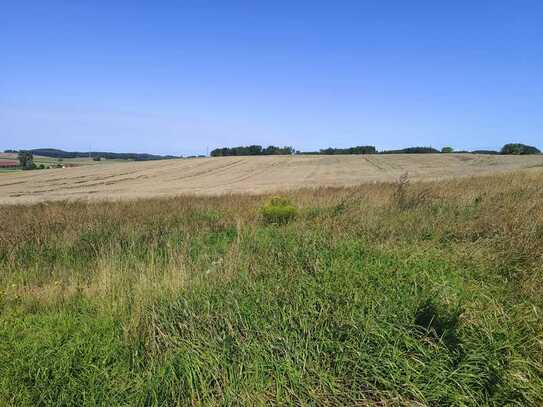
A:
9	164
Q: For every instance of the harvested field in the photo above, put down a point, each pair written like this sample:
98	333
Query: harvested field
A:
213	176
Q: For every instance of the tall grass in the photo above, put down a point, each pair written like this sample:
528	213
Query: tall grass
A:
385	294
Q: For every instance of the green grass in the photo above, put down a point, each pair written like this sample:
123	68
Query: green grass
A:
357	301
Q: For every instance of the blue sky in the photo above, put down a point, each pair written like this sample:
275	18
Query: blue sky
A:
178	77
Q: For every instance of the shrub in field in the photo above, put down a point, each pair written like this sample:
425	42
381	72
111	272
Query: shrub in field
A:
278	210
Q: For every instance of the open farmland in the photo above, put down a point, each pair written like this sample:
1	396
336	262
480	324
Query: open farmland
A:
211	176
419	294
50	161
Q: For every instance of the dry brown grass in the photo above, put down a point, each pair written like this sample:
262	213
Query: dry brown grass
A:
213	176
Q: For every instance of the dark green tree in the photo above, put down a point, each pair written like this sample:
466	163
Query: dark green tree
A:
519	149
26	159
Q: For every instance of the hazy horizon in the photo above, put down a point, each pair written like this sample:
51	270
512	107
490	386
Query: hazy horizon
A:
178	79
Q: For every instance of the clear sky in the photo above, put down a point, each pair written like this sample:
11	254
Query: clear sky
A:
179	76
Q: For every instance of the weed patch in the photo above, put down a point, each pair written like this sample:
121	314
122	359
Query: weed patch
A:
278	210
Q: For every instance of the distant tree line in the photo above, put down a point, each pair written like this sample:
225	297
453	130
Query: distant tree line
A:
55	153
508	149
412	150
489	152
258	150
350	150
251	150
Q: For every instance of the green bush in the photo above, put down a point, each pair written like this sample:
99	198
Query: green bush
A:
278	210
519	149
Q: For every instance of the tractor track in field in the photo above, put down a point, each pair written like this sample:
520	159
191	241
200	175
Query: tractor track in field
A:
149	179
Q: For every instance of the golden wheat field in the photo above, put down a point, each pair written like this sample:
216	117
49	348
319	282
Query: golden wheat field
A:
214	176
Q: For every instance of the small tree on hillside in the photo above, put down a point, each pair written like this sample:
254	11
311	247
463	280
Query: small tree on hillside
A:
26	159
447	150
